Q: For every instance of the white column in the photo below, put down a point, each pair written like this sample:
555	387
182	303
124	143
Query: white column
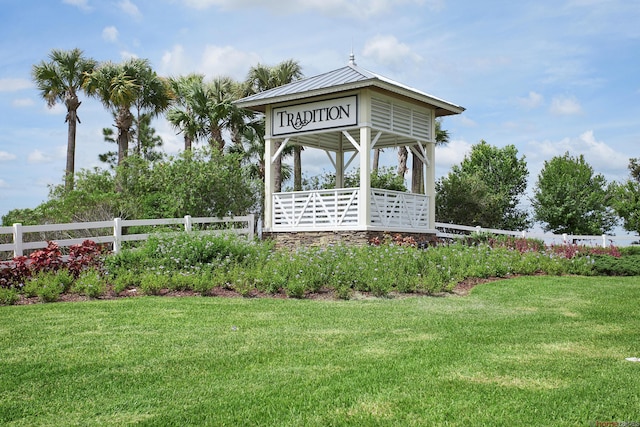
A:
340	164
269	183
364	208
430	185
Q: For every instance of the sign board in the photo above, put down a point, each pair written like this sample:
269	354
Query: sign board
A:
328	114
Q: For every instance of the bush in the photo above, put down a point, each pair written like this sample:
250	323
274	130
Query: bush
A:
153	283
611	266
90	283
123	279
48	286
9	296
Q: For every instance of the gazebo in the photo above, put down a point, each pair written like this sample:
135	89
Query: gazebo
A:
348	113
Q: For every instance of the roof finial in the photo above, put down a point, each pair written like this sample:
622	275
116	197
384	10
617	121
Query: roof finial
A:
352	58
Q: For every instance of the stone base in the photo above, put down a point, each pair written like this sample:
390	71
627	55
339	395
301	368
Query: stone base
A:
295	240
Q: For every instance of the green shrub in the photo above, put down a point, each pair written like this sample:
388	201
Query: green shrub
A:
611	266
124	279
9	296
90	283
45	285
630	250
153	283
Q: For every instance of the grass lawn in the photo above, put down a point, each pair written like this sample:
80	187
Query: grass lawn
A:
526	351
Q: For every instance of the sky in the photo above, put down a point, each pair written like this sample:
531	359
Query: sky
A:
548	76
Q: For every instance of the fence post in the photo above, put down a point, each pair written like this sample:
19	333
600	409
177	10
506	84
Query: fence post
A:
117	235
524	234
604	241
564	238
478	229
252	226
188	224
17	240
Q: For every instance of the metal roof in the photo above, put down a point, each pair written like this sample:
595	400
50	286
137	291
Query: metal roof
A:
340	80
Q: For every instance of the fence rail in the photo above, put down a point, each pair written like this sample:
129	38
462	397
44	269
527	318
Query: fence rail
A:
454	231
115	229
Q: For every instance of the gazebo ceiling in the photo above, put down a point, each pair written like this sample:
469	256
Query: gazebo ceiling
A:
332	140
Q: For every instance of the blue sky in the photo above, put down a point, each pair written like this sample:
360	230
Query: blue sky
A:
546	76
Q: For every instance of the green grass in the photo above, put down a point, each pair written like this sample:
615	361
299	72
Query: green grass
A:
527	351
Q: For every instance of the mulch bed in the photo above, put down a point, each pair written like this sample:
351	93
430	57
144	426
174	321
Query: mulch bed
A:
461	289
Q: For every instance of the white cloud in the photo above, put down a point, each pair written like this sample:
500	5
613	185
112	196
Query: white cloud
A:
452	154
3	184
128	7
602	157
127	55
5	157
565	106
388	50
12	85
81	4
354	8
227	61
38	157
175	62
110	34
22	102
533	100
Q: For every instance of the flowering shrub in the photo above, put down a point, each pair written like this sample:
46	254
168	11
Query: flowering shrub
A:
82	256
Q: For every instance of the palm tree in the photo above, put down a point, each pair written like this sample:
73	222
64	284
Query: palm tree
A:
59	80
123	86
181	115
261	78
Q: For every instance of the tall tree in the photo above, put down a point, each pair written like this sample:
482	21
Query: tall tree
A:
261	78
205	111
570	198
492	180
60	80
625	198
121	87
181	115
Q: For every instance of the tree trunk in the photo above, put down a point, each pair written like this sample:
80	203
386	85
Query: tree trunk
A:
124	120
297	168
72	103
402	161
277	165
187	143
376	159
417	176
216	141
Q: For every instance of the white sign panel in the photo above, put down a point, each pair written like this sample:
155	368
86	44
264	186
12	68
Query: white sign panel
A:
332	113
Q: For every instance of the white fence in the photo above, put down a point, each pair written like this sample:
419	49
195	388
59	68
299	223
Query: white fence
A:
115	227
454	231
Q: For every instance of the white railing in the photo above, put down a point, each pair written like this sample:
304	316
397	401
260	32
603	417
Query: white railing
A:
338	209
115	230
316	209
395	209
454	231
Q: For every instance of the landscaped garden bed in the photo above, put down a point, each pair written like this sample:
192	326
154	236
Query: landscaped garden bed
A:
227	265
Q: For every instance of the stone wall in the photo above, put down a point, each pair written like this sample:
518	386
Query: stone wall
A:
294	240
